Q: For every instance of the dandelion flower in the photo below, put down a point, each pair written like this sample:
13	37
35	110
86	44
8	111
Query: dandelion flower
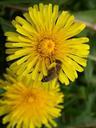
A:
43	36
30	104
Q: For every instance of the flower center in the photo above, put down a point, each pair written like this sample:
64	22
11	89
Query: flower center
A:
46	47
29	98
34	96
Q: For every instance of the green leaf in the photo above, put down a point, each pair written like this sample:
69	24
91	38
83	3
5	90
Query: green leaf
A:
86	115
89	71
6	25
2	90
89	16
4	2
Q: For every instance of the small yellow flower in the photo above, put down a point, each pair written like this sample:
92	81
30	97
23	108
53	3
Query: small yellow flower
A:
42	37
30	104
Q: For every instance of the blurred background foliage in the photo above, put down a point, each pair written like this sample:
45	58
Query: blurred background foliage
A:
80	97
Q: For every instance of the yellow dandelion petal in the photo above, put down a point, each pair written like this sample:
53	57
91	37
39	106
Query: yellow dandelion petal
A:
62	20
55	14
25	25
24	39
29	104
46	35
11	34
30	65
35	71
63	78
27	17
44	70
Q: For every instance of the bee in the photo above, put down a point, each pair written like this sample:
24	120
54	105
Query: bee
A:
53	72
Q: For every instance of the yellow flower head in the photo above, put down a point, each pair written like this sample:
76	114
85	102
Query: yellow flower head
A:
30	104
43	37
